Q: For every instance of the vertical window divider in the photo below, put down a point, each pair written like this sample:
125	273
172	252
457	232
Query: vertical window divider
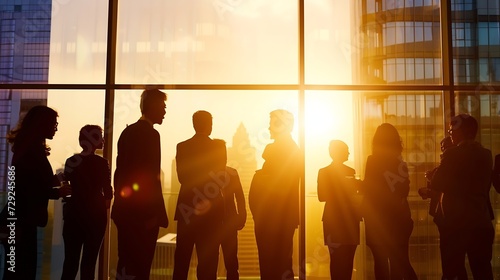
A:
103	261
447	61
302	194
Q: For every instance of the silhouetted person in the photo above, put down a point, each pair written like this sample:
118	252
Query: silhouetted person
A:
385	206
138	210
199	211
85	212
338	188
274	199
33	185
435	193
465	227
234	218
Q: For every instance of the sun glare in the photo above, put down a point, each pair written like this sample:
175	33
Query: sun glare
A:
328	116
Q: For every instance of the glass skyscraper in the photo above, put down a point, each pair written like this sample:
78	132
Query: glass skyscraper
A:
24	58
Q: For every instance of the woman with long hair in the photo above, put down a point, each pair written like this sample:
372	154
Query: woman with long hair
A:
34	184
385	206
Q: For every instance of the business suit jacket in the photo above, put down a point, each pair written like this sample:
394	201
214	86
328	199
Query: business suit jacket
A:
234	217
464	176
138	193
198	173
274	193
341	215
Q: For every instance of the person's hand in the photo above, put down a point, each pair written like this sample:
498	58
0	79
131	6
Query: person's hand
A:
428	174
240	221
60	176
65	189
424	192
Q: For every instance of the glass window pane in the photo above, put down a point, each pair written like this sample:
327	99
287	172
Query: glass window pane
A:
25	32
494	33
483	33
328	43
78	42
206	42
402	38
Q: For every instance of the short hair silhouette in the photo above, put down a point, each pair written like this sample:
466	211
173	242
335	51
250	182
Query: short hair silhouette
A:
387	140
338	149
282	120
202	121
32	126
467	124
220	152
151	97
90	135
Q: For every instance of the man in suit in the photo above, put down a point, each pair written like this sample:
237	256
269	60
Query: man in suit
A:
341	216
199	209
139	210
274	199
464	176
235	214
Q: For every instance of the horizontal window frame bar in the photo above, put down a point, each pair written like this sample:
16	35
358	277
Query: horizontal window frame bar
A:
246	87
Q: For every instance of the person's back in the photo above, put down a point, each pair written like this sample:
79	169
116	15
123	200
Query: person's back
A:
199	209
385	206
136	181
465	200
282	163
90	183
274	199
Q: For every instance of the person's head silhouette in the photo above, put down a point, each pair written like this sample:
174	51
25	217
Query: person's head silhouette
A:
90	138
462	127
153	106
39	123
387	141
339	151
280	123
202	122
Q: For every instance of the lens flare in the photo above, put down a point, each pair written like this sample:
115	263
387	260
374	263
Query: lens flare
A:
126	192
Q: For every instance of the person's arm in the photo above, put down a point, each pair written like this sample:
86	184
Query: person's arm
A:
240	200
180	158
443	178
56	192
107	189
323	185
